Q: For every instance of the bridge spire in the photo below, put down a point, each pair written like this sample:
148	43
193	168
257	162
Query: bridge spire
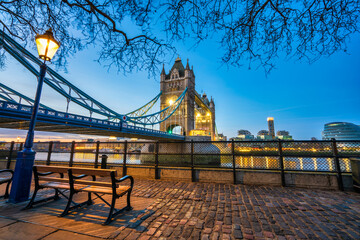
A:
187	65
163	70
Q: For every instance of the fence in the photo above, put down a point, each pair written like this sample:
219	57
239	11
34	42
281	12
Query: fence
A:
282	157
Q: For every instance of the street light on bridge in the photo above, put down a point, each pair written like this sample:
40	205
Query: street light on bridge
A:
20	189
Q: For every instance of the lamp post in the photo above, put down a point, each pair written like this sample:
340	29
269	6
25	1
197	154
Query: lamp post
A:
20	189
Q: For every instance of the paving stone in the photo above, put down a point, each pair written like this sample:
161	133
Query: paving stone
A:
65	235
237	234
5	221
21	230
180	210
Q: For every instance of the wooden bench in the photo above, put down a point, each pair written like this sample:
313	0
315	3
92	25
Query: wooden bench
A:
98	187
75	182
50	177
7	180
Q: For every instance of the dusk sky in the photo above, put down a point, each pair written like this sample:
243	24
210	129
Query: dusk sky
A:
300	97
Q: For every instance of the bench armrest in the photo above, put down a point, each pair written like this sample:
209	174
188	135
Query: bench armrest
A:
124	178
79	176
45	173
7	170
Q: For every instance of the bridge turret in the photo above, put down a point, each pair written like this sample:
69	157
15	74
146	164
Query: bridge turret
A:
187	69
212	104
162	79
163	74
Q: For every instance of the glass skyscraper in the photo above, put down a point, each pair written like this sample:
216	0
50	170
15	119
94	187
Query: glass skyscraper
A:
341	131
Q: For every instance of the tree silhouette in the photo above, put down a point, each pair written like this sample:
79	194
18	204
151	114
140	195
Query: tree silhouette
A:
253	31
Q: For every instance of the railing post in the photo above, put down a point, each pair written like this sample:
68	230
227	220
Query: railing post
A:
281	159
337	165
8	164
49	153
157	160
21	147
72	154
125	156
104	161
233	159
96	165
193	177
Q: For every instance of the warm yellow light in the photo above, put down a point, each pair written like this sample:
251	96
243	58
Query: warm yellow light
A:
198	115
208	114
270	119
46	45
171	102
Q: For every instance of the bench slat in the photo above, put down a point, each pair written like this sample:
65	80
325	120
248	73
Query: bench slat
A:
53	179
94	183
55	169
4	180
119	190
59	185
93	171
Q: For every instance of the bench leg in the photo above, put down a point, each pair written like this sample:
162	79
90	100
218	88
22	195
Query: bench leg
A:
7	190
56	197
30	204
89	201
67	208
108	220
128	201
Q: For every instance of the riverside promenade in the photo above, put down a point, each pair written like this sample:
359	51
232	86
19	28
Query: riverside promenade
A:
184	210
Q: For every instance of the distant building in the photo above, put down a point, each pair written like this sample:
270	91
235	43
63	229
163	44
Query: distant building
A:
341	131
270	121
245	135
221	137
264	135
314	139
283	135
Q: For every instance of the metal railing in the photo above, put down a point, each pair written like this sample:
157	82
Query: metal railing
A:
275	156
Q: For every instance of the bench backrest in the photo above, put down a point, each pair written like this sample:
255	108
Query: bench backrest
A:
54	169
39	170
108	173
76	171
93	171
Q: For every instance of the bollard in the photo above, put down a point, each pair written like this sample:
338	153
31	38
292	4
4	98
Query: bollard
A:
104	161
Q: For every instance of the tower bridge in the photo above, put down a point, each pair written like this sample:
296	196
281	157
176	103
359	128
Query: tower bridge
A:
180	106
196	115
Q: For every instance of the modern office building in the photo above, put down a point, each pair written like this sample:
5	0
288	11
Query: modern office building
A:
341	131
245	135
283	135
270	121
264	135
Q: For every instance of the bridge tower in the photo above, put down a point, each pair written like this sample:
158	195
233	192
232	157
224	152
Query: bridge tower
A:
196	115
172	85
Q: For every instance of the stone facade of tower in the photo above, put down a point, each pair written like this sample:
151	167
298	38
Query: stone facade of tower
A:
172	86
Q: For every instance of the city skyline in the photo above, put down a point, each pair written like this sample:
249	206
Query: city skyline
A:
300	97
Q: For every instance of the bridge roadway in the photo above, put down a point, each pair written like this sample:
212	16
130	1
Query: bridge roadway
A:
17	116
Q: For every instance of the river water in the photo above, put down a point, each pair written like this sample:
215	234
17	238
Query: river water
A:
290	163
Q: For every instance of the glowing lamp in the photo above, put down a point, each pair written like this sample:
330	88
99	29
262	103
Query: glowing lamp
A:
171	102
46	45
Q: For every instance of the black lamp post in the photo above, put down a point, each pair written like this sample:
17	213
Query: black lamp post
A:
20	189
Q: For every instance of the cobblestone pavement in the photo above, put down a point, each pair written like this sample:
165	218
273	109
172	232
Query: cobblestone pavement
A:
180	210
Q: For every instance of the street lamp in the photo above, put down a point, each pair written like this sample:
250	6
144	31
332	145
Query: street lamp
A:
20	189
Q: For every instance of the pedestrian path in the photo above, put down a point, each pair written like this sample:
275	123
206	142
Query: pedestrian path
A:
183	210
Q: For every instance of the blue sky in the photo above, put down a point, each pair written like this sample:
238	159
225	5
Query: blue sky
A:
300	97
